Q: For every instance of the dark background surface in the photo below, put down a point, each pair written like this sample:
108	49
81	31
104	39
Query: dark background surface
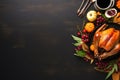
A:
36	43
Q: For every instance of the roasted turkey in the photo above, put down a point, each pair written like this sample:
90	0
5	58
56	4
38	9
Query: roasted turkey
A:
106	42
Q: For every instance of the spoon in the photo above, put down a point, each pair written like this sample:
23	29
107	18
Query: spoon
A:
86	6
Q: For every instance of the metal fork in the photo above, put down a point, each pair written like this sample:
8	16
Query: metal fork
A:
81	10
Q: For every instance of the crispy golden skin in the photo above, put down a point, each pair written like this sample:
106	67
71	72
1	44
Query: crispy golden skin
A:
108	39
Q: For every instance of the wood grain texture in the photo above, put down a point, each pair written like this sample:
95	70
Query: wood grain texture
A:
36	43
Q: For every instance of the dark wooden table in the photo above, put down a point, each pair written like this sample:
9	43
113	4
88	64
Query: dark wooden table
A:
36	43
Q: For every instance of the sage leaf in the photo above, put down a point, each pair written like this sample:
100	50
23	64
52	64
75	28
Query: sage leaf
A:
76	44
110	73
80	53
77	39
108	66
115	67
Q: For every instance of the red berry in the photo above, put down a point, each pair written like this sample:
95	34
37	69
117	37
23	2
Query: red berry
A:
86	36
103	20
96	63
87	40
83	40
98	21
97	24
78	33
79	47
83	36
100	17
84	31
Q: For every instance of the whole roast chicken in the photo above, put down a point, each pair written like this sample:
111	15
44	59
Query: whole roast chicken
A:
106	42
